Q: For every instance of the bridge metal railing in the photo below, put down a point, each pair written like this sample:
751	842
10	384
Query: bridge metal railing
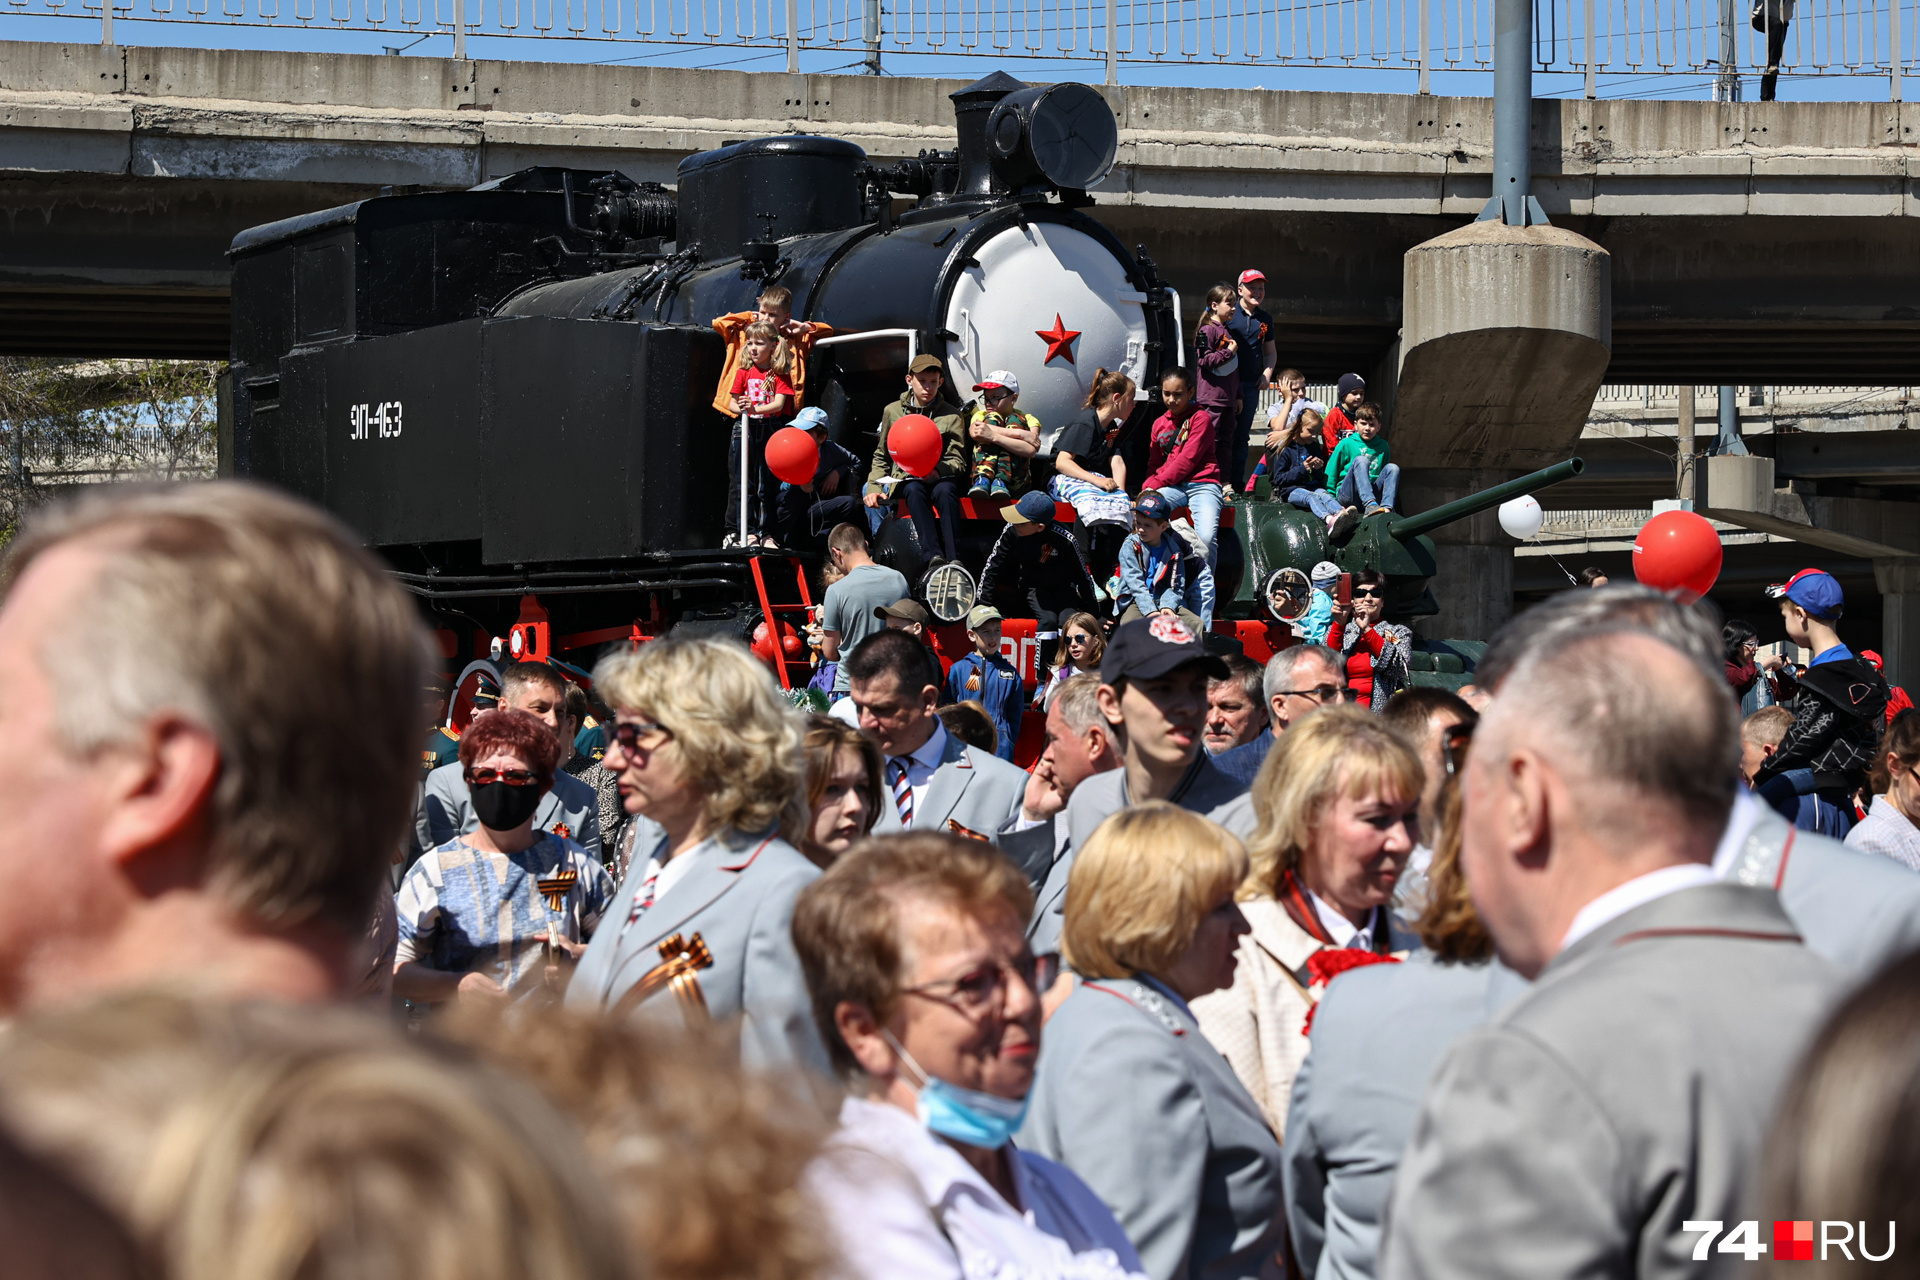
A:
1640	44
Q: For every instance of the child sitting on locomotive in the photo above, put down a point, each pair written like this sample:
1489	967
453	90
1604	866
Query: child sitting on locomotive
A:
1361	470
762	400
1182	462
939	490
1034	571
1299	470
808	511
1090	475
1003	438
1160	571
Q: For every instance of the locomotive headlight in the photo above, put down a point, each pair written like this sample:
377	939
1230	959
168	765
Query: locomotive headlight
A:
1060	135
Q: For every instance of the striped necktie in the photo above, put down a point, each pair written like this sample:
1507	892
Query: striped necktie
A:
902	791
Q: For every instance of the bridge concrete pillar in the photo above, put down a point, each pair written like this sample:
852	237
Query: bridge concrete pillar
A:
1506	335
1899	582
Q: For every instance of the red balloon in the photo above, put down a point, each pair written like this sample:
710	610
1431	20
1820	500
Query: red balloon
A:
915	444
762	645
792	455
1678	551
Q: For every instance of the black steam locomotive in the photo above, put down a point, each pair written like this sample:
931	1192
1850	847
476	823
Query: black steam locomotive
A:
508	390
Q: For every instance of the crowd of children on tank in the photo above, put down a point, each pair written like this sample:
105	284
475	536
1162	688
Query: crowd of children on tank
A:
1133	552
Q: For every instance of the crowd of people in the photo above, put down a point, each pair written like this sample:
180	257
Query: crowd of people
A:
1137	544
1242	979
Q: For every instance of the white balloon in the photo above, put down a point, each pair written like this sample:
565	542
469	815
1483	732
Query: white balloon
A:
1522	517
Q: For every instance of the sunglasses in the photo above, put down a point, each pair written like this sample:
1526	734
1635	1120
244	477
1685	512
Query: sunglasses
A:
1454	741
1323	694
1079	639
487	777
627	734
1369	593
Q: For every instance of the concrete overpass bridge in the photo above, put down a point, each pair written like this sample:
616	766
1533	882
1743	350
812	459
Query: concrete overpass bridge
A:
1750	242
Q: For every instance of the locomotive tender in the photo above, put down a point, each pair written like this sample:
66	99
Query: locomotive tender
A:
507	390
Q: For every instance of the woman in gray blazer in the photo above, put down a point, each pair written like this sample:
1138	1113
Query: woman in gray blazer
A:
1378	1033
1129	1094
704	747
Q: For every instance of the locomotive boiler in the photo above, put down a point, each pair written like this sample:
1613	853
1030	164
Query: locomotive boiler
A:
508	390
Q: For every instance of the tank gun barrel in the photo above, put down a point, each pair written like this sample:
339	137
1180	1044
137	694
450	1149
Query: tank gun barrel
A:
1485	500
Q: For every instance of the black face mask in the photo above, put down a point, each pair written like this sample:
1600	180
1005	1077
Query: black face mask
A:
501	807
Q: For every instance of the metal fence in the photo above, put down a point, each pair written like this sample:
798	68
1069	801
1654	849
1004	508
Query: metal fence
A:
1633	41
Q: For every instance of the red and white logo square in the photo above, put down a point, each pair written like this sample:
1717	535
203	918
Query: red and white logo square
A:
1792	1241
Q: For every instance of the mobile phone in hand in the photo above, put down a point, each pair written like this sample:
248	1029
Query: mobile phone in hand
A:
1344	592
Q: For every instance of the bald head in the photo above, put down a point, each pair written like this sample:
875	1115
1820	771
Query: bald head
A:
1609	754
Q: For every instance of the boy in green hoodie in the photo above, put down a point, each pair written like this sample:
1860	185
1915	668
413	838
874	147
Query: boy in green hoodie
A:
1360	473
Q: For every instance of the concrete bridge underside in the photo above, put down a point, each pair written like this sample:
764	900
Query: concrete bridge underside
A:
1750	242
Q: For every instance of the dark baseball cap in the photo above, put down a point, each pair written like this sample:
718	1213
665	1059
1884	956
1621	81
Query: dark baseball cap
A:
923	362
1148	648
1034	507
906	611
1153	505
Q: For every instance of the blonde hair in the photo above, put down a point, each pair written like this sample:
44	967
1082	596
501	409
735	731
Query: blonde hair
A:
1140	887
737	737
275	1142
1335	752
782	353
700	1158
261	619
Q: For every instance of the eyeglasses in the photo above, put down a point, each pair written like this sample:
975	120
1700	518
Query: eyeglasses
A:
1368	593
627	734
1323	694
1074	640
986	987
1454	741
487	777
995	397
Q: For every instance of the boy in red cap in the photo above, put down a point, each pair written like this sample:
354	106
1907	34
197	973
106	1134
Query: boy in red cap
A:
1838	712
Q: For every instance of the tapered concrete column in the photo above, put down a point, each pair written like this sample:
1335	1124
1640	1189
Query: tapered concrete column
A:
1506	337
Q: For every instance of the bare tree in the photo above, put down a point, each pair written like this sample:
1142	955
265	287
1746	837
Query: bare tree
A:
72	422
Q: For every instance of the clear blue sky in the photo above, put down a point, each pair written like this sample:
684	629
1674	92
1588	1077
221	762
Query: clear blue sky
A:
38	26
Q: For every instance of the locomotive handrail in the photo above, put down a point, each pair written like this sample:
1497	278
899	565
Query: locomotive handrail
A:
840	339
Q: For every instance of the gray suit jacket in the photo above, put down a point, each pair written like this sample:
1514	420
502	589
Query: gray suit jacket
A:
738	897
1131	1097
1204	790
974	788
1855	909
446	810
1377	1034
1627	1093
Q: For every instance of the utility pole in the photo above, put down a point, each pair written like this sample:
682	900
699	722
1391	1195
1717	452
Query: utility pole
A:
1726	86
1729	443
872	37
1513	201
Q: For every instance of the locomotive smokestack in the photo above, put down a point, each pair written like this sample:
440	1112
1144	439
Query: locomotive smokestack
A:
971	107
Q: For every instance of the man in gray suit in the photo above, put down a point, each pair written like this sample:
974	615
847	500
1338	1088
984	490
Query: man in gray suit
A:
1153	693
1852	908
934	781
570	809
1629	1092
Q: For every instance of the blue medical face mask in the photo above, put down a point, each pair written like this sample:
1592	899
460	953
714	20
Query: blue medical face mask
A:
964	1115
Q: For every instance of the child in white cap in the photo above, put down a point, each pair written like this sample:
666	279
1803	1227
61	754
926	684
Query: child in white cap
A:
1003	438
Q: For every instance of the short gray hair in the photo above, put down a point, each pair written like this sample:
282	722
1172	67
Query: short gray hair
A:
1078	698
261	619
1624	607
1282	665
1627	710
1246	672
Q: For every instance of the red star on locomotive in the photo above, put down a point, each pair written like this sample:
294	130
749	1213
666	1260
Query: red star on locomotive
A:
1059	340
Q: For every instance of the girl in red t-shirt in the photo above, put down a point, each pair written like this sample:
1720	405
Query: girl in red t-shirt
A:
763	398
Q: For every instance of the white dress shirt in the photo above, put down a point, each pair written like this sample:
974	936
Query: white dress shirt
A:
1747	809
901	1204
1342	930
1636	892
1886	831
921	765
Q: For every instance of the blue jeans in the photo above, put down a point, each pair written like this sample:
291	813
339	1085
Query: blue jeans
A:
1203	502
1318	501
1359	489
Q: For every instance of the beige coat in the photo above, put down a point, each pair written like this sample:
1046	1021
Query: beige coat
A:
1257	1024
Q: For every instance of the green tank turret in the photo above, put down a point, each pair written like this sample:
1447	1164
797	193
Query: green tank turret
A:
1280	538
